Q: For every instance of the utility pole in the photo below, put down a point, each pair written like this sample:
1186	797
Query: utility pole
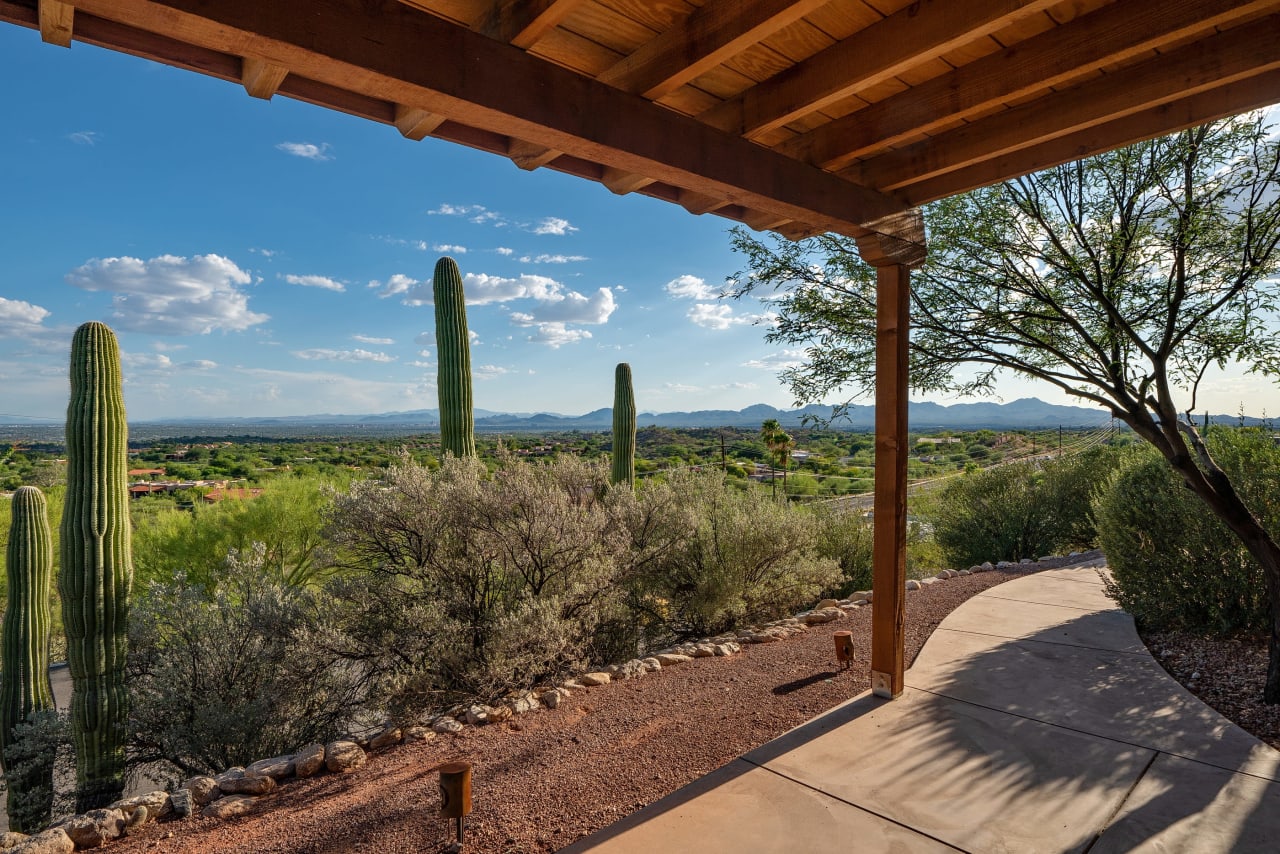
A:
1059	440
724	460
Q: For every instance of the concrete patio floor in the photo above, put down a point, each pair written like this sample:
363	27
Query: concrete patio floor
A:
1034	720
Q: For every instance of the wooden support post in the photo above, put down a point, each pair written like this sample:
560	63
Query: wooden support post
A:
889	546
261	79
893	249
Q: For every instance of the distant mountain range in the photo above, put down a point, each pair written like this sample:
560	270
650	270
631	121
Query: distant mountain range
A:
1024	413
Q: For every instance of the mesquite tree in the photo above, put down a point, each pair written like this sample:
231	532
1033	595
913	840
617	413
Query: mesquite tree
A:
1123	280
24	683
624	427
96	571
457	425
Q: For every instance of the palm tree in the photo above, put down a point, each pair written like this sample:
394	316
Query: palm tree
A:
779	443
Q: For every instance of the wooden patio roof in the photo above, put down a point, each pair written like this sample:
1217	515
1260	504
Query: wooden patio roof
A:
798	117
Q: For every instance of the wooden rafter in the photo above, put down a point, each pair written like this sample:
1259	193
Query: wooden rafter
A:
1252	93
1202	65
414	123
1107	36
530	156
494	88
261	78
56	22
714	32
909	37
622	182
523	22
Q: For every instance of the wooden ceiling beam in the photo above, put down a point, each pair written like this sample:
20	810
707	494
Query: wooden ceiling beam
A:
1109	35
761	221
712	34
1251	93
529	156
56	22
414	123
700	203
909	37
261	78
474	81
523	22
1214	61
622	182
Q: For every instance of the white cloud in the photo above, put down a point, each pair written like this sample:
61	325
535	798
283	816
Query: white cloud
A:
170	294
681	388
321	354
778	361
691	287
553	225
167	346
367	339
425	338
18	316
555	335
84	137
199	365
146	361
265	253
482	289
324	282
488	372
450	247
477	214
552	259
721	316
570	307
505	250
418	363
397	284
307	150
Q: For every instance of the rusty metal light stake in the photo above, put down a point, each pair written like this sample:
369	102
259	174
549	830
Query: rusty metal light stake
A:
455	793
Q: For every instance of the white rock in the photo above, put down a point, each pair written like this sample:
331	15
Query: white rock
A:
308	760
180	801
827	603
341	756
703	650
764	637
203	790
418	733
632	669
553	698
277	767
446	725
522	703
964	572
651	664
390	735
928	581
1026	560
987	567
52	841
667	659
860	602
248	785
592	680
230	807
912	584
478	714
95	828
826	615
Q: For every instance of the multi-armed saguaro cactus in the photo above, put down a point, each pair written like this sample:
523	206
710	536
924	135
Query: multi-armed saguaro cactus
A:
24	682
96	571
457	424
624	427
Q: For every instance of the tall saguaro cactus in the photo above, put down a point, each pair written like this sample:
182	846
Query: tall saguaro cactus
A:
453	379
97	570
624	427
24	654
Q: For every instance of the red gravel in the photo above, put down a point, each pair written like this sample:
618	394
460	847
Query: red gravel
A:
1225	673
545	779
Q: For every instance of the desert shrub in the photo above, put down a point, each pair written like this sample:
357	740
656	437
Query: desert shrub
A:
41	742
285	519
845	536
712	557
1174	563
510	575
232	668
1020	509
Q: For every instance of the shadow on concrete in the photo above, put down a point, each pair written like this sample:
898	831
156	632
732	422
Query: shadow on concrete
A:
1039	743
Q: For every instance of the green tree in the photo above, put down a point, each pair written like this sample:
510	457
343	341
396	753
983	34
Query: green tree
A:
1122	280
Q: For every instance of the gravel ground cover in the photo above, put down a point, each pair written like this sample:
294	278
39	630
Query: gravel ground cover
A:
541	781
1225	673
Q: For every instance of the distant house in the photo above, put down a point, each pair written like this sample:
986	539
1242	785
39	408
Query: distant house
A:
146	472
213	496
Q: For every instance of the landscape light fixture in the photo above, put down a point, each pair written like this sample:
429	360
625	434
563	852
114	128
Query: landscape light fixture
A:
455	793
844	648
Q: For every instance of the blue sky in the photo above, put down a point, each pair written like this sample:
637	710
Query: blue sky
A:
274	258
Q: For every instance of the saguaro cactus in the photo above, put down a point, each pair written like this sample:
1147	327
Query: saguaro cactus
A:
96	571
453	380
624	427
24	654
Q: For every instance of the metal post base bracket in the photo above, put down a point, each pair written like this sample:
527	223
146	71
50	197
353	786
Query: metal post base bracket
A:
882	685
